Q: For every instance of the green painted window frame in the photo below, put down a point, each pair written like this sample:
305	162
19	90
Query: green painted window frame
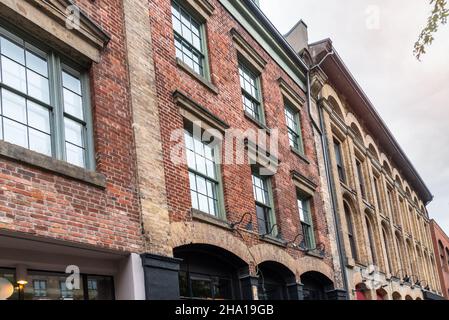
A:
204	53
339	160
218	181
57	64
351	231
377	191
271	222
361	177
246	67
298	144
306	219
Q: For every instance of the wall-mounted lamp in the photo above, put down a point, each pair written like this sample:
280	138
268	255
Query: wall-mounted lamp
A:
249	225
21	275
270	233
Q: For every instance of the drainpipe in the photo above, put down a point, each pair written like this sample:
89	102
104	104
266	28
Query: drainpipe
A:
321	128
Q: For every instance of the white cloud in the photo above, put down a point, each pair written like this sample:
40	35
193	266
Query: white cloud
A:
412	97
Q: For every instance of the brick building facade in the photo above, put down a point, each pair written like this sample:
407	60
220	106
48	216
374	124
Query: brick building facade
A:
231	242
440	241
383	223
168	149
67	167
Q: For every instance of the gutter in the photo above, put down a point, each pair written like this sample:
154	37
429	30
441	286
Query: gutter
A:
353	82
279	37
329	177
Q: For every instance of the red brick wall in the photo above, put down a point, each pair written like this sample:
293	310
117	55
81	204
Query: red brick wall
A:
443	266
227	105
41	203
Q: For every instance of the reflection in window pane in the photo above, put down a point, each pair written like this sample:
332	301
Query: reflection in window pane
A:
73	132
40	142
73	104
37	64
12	50
13	106
38	86
70	82
50	286
100	288
15	133
75	155
201	289
38	117
10	275
13	74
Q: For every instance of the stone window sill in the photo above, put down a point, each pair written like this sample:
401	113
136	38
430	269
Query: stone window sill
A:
35	159
273	240
314	255
209	219
300	155
197	77
257	122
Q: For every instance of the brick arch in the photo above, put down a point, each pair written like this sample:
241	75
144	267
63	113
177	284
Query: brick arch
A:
308	264
184	233
397	178
332	98
371	145
352	121
384	160
266	252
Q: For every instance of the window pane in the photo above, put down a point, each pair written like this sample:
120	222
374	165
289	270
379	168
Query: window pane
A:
15	133
100	288
12	50
191	159
301	210
38	117
203	203
261	219
188	40
38	86
201	289
40	142
49	286
73	104
75	155
13	74
70	82
13	106
73	132
37	64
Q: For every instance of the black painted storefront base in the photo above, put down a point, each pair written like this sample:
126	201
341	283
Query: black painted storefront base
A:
295	291
247	283
337	295
161	277
432	296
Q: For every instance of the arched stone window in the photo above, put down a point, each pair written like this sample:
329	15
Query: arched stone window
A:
371	240
386	240
351	231
441	252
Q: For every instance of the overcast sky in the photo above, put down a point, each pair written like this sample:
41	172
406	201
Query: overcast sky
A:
375	39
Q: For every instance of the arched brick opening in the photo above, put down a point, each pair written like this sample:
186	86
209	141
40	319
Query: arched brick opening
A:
381	294
316	286
362	292
397	296
211	273
276	282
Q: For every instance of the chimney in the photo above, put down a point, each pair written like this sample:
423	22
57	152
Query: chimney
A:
298	36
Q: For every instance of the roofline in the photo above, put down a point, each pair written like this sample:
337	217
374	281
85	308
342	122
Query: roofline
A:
275	32
437	225
347	73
